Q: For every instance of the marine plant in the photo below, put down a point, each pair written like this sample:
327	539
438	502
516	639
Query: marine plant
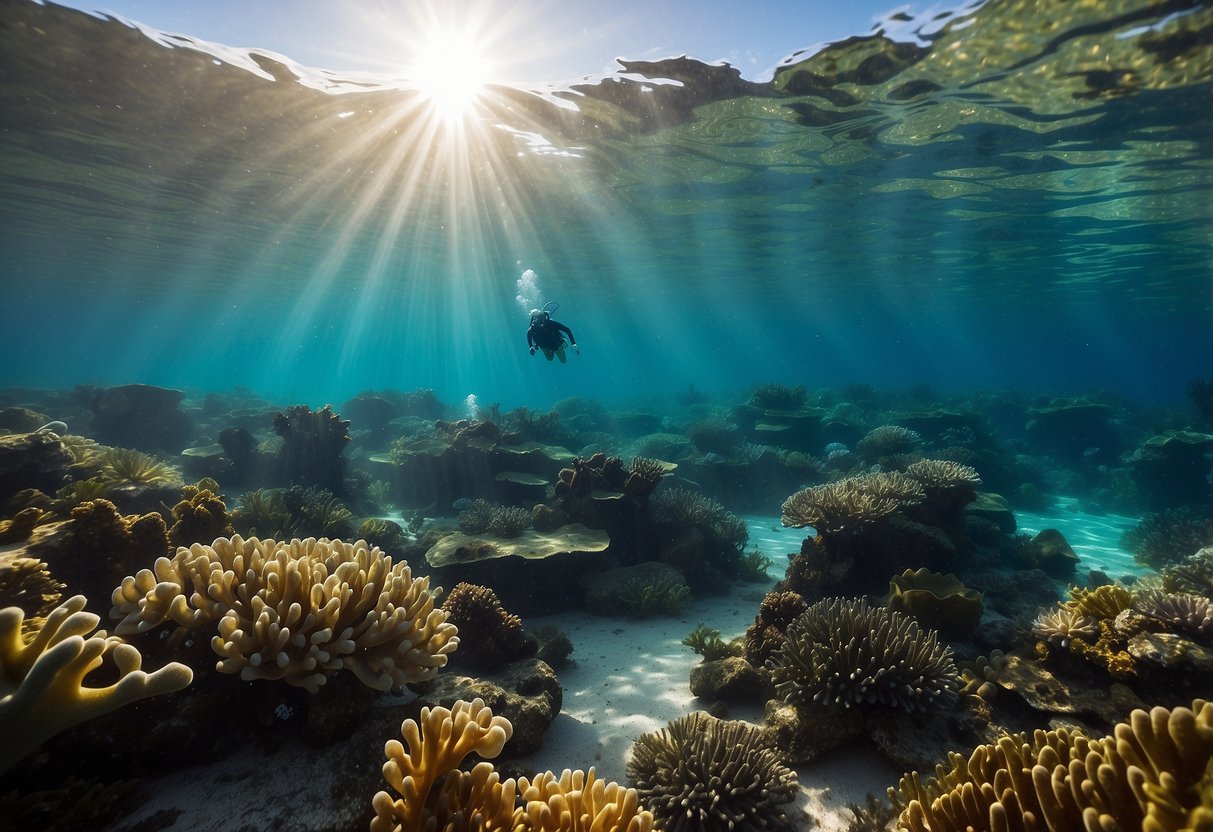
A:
262	512
778	397
700	773
84	452
1154	772
121	466
430	792
753	566
42	682
81	491
706	641
490	636
848	653
299	611
661	595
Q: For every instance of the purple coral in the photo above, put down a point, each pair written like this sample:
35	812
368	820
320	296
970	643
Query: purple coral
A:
1182	610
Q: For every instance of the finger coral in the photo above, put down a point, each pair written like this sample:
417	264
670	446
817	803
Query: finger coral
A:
1152	773
848	506
42	690
703	773
848	653
433	795
298	611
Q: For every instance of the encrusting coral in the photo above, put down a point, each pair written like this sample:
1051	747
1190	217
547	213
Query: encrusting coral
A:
848	653
703	773
1153	773
42	690
200	517
433	795
298	611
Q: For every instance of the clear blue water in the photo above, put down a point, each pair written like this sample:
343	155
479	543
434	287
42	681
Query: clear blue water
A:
1021	200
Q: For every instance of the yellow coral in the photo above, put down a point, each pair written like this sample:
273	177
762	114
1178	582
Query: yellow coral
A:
576	801
1106	601
42	690
298	611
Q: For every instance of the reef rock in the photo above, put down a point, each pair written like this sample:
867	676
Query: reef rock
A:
803	734
527	693
143	417
19	419
1170	469
1172	652
32	460
993	507
1054	554
731	679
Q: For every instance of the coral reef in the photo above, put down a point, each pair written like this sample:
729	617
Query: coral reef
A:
432	793
200	517
490	636
298	611
848	653
1152	773
1107	601
105	544
703	773
1169	536
662	595
312	447
848	506
42	690
766	635
778	397
888	441
141	416
119	466
26	583
386	534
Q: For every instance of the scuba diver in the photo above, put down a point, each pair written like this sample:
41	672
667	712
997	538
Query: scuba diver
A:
548	335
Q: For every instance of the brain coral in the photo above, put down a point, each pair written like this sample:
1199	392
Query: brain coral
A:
849	653
703	773
848	506
298	611
1154	773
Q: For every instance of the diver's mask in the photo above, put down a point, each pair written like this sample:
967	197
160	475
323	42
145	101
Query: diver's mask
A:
538	316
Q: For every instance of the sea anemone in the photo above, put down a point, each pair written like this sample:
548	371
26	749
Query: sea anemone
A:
1061	624
1182	610
846	652
703	773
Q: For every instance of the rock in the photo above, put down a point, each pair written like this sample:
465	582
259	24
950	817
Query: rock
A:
731	679
32	460
1172	652
143	417
1170	469
993	507
527	693
803	734
1053	553
1075	431
917	742
19	419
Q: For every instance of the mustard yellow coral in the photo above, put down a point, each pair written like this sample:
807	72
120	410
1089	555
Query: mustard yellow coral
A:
299	611
576	801
42	690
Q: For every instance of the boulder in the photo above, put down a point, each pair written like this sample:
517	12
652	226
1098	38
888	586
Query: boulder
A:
143	417
32	460
731	679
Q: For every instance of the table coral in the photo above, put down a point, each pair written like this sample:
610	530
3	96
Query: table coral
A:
42	690
298	611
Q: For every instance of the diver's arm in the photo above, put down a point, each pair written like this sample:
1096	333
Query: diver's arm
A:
530	337
566	331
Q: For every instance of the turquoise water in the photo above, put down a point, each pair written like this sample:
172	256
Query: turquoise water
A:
1020	199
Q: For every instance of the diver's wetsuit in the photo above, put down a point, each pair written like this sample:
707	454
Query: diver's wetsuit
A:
548	335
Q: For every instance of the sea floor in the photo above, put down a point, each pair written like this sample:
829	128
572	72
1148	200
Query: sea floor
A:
627	678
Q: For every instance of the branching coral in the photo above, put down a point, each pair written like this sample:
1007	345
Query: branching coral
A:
684	508
27	583
848	653
888	440
702	773
298	611
1060	625
433	795
42	688
475	516
262	512
489	635
850	505
946	481
1151	774
1185	612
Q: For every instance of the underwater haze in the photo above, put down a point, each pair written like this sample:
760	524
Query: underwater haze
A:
1015	194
